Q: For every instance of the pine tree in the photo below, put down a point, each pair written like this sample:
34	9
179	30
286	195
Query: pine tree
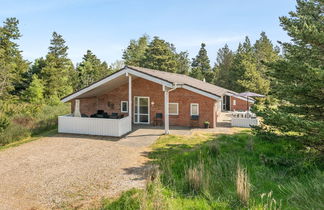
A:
299	78
245	73
133	55
183	63
90	70
201	66
223	67
57	71
12	65
265	54
35	92
160	55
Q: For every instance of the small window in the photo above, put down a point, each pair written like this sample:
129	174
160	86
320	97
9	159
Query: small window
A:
194	109
124	106
173	108
234	102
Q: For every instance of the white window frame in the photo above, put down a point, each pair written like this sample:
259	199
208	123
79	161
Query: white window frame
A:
234	102
121	106
177	113
191	106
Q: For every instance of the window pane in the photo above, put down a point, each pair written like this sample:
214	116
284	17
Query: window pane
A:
144	110
143	101
194	109
173	108
136	101
144	118
124	106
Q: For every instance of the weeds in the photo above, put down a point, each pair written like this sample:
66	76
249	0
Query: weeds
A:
242	185
202	172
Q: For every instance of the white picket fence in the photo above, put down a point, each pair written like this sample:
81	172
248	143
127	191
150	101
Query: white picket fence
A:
94	126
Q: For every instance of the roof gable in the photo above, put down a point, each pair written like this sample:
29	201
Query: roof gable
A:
171	80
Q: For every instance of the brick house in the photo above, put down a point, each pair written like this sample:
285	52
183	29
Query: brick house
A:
143	96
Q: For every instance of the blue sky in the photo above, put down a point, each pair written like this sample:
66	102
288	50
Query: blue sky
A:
106	26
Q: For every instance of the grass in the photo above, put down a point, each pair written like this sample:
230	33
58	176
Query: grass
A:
24	124
30	139
238	171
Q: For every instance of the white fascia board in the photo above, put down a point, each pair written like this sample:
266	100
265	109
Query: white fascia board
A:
195	90
93	86
240	97
125	71
148	77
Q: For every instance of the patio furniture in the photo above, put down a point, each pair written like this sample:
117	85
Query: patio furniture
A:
114	115
194	121
84	115
158	119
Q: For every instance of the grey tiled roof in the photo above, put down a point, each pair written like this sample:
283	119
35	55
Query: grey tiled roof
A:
184	80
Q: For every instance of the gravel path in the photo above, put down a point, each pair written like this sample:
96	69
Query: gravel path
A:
75	171
71	170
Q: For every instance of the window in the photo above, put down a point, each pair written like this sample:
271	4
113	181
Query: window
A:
234	102
124	106
194	109
173	108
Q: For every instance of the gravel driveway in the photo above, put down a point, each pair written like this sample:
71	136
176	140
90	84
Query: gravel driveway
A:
71	170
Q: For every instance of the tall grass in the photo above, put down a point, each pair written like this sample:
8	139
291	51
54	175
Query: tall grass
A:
242	185
205	174
24	121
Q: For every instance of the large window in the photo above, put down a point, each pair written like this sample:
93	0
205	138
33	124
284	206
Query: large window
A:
124	106
173	108
194	109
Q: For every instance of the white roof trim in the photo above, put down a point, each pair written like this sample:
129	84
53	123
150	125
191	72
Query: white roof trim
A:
114	76
127	71
201	92
240	97
93	86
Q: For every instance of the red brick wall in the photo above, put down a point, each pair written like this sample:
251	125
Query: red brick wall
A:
240	104
142	87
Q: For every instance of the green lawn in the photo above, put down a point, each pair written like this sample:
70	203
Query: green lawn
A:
201	172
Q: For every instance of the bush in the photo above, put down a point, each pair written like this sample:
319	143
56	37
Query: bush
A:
27	120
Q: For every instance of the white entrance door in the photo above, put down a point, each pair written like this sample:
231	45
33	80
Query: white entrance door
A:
141	110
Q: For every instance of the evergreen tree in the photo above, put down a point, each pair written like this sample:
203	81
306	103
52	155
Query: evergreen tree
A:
12	65
183	63
58	69
299	78
37	66
245	73
265	53
134	53
201	66
223	67
117	65
160	55
35	92
90	70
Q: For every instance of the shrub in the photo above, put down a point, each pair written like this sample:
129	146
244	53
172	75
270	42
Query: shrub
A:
28	119
4	123
13	133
